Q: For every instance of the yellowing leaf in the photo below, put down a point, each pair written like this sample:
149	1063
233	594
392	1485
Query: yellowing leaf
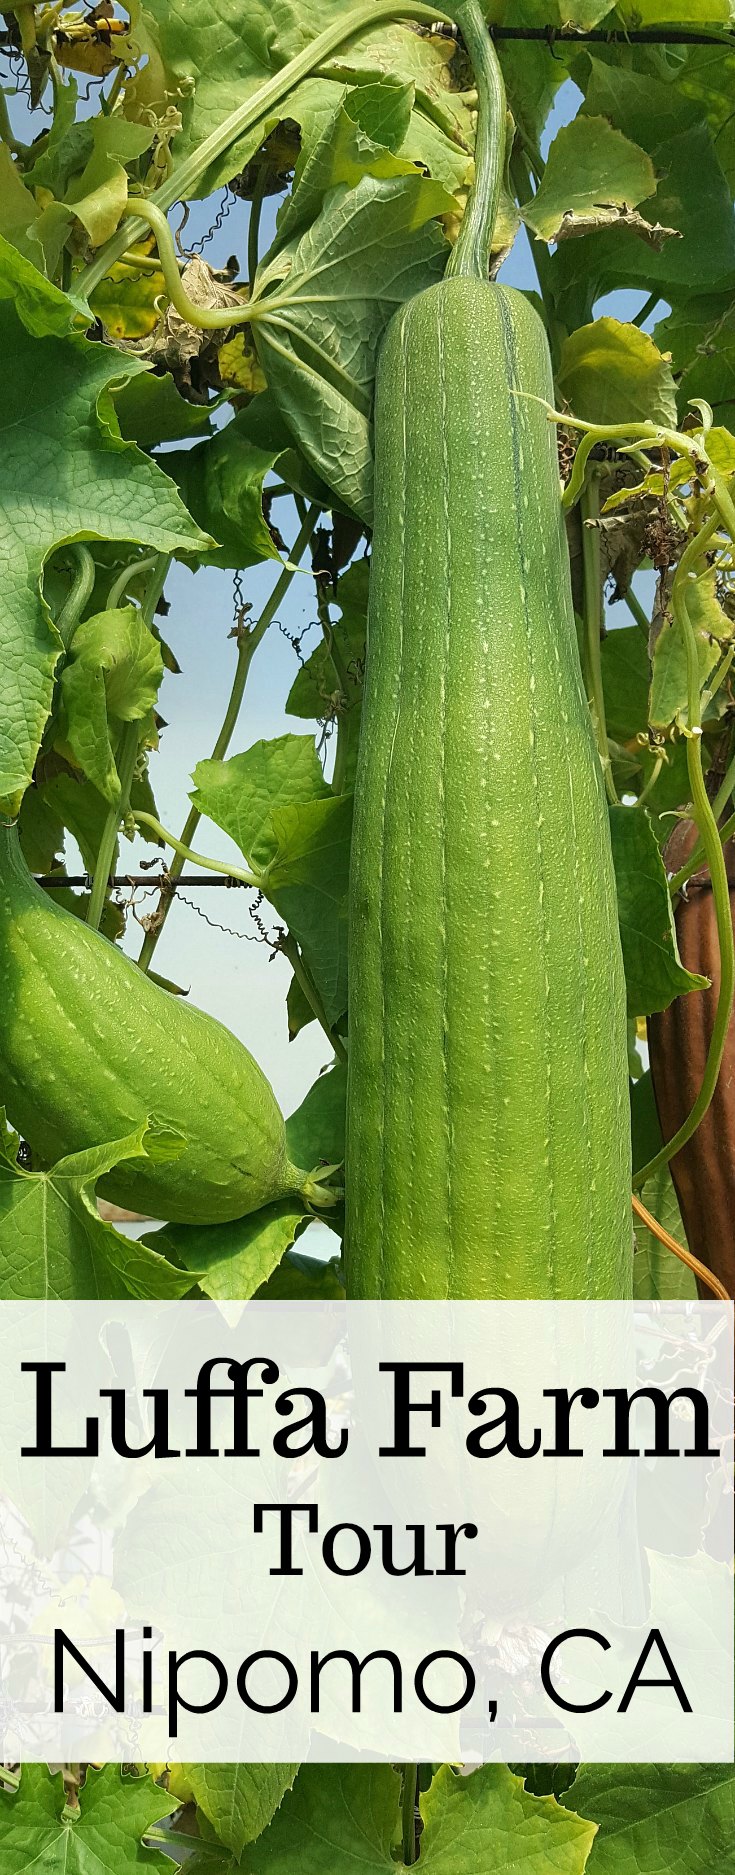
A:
613	373
126	301
239	364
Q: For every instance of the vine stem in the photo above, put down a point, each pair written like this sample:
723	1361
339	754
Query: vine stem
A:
592	570
247	645
706	1276
410	1783
470	257
126	761
183	852
679	879
185	177
256	209
712	844
636	610
120	585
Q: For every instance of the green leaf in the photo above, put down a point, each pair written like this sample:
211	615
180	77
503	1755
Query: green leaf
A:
113	674
60	447
274	802
626	676
211	74
701	336
335	1815
614	373
593	175
221	481
103	1837
532	79
692	197
661	12
299	1011
316	1131
38	233
239	1799
231	1261
644	107
307	884
321	305
679	1818
488	1821
99	195
317	680
76	803
654	974
344	152
713	632
383	110
242	794
53	1243
304	1279
150	411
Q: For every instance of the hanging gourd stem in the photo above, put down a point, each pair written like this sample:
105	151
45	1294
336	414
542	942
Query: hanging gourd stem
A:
685	1256
471	254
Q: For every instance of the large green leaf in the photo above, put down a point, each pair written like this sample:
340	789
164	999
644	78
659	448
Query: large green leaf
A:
103	1837
112	676
489	1821
306	883
54	1245
239	1799
693	197
593	175
713	633
614	373
242	793
676	1818
273	800
150	411
320	306
626	676
65	474
221	481
700	334
653	973
316	1131
336	1815
211	63
344	152
230	1261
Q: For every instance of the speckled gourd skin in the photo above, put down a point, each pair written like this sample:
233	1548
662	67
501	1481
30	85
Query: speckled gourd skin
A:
90	1047
488	1134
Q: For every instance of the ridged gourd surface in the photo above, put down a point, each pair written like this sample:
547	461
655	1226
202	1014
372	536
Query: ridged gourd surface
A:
90	1047
488	1132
